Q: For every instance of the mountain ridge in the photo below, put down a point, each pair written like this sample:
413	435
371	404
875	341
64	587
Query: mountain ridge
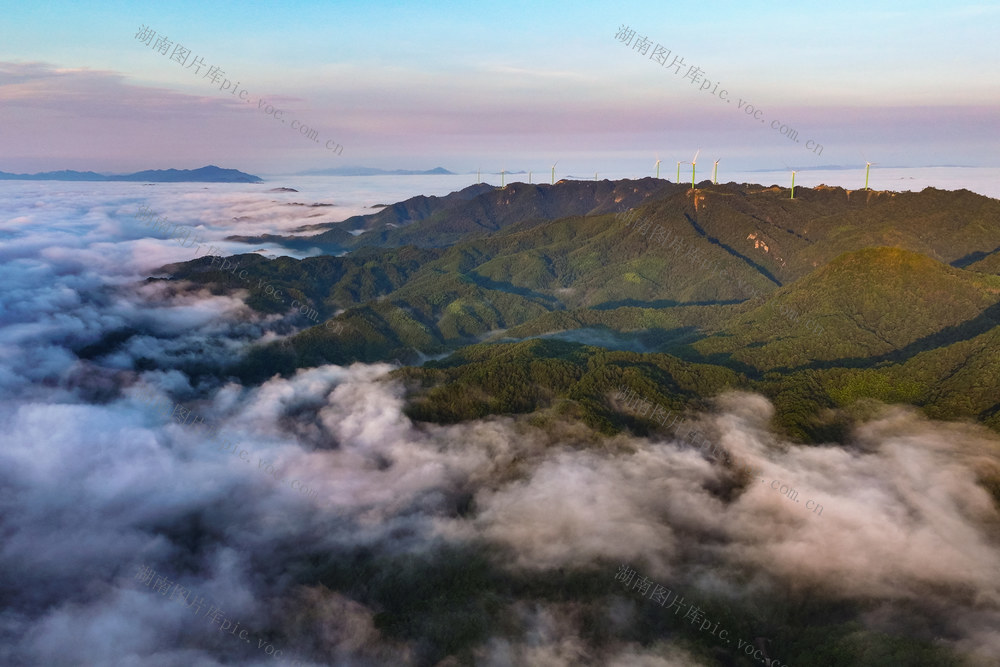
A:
819	302
207	174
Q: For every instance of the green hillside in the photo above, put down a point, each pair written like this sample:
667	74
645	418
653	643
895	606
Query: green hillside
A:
870	305
823	302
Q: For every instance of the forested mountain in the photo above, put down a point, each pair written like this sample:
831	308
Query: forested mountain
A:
818	301
474	211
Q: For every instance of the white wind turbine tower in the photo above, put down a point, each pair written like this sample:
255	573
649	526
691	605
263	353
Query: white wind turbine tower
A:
658	166
554	171
715	174
793	181
868	166
694	161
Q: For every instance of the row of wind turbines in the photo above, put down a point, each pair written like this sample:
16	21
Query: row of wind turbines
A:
503	172
693	163
715	173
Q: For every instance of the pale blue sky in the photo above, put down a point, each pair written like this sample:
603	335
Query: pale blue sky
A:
512	84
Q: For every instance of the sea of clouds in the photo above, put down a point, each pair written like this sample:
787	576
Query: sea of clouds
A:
95	484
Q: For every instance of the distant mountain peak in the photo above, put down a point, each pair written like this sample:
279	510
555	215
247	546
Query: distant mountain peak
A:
207	174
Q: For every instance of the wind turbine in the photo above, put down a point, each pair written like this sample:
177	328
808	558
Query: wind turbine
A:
868	166
678	171
595	175
694	161
529	177
793	179
715	175
658	166
502	172
554	171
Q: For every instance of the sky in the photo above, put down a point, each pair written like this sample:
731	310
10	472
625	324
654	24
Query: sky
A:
512	85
